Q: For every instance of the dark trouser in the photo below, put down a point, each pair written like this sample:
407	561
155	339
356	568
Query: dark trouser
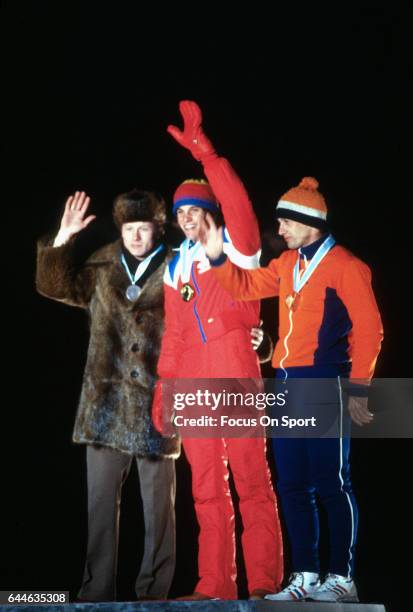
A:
312	470
107	470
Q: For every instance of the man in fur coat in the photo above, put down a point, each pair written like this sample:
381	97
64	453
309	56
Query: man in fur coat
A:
121	288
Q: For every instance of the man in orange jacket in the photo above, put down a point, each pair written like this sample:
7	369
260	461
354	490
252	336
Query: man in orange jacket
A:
329	329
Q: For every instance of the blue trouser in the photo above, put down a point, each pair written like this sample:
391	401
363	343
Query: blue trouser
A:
311	470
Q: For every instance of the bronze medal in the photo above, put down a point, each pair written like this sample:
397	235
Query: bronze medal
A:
187	292
292	301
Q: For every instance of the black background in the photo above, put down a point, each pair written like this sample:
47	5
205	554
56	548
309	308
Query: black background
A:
89	90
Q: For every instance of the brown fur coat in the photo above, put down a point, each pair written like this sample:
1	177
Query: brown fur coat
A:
125	337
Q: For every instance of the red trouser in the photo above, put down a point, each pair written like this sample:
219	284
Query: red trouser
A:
229	357
261	538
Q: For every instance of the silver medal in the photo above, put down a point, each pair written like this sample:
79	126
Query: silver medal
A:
133	292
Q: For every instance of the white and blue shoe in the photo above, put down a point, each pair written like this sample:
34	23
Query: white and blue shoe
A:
300	586
335	588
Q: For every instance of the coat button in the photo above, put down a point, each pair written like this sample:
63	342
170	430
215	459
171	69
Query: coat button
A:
139	319
135	347
134	373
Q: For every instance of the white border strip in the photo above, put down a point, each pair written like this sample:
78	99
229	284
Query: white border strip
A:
342	481
305	210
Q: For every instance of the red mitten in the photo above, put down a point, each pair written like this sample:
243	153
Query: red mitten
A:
193	137
162	422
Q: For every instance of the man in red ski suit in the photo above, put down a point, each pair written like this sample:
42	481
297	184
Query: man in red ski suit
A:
207	335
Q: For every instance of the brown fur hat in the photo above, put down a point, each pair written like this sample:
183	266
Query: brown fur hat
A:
138	205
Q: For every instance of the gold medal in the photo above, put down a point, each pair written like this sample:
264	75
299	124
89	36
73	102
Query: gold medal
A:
187	292
292	300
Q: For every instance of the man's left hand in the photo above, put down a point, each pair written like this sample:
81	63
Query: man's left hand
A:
359	412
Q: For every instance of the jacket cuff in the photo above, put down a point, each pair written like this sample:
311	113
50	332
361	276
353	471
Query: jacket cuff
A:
356	389
215	263
209	158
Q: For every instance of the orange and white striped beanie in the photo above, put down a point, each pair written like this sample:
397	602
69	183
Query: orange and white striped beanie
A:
304	203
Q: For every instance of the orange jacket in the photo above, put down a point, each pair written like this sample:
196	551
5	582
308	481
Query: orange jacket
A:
337	321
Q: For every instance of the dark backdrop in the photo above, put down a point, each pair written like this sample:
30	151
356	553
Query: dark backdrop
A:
286	93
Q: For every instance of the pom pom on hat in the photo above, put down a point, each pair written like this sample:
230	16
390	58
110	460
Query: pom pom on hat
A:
309	182
304	204
196	193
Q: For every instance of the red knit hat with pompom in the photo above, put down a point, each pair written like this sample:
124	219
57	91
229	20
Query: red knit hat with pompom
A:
304	203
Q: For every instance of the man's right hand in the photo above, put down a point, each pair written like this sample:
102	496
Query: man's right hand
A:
193	137
211	237
73	220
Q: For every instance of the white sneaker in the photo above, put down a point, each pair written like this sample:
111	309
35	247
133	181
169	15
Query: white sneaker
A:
335	588
301	585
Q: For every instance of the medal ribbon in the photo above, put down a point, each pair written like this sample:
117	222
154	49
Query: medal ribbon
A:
187	258
141	269
323	249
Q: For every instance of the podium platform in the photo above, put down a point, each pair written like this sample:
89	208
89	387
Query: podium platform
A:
201	606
